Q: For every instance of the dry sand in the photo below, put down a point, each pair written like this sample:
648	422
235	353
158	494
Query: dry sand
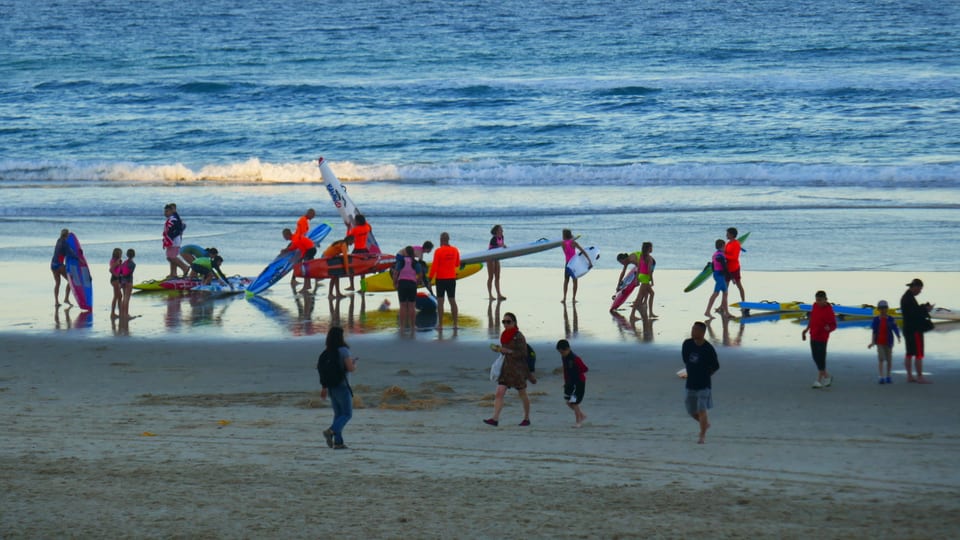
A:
221	439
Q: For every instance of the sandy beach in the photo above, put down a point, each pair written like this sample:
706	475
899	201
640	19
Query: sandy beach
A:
216	439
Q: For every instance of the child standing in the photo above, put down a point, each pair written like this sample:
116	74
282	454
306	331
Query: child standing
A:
820	323
126	283
116	260
719	262
574	380
884	327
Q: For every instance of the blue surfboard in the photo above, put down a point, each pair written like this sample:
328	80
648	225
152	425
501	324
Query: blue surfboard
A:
283	264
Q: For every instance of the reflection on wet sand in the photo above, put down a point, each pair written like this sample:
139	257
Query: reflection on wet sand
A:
77	320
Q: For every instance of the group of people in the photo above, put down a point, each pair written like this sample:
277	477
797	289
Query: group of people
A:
121	276
916	321
516	370
359	236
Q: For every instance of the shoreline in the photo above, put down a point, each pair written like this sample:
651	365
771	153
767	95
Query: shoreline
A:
219	439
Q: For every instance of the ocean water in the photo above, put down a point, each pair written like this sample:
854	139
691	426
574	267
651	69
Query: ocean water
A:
827	130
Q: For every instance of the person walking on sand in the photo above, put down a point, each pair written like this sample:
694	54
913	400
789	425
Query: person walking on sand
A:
116	260
126	283
303	229
700	360
916	321
58	265
446	261
515	372
719	282
732	252
493	265
570	248
884	327
574	380
820	323
337	353
172	238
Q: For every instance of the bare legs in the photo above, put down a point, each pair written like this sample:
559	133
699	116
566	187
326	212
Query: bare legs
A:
722	309
57	274
566	281
493	280
453	311
498	403
701	418
578	413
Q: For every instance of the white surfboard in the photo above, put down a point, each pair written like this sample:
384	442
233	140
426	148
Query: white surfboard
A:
496	254
343	203
580	264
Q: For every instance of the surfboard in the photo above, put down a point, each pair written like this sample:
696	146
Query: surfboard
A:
945	314
383	282
343	203
216	288
767	306
519	250
78	274
282	265
863	310
361	263
626	286
580	264
708	270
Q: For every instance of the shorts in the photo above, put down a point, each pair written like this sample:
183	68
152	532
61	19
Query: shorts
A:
644	278
573	392
173	252
914	342
447	287
202	270
733	275
568	272
114	279
361	250
309	254
407	290
719	281
56	266
698	400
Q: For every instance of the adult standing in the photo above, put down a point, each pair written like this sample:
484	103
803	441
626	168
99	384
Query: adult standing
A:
732	253
493	265
515	371
916	321
446	261
341	395
700	359
360	233
570	248
172	238
58	265
303	229
820	323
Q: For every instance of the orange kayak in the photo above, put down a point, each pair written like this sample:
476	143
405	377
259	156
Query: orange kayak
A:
364	263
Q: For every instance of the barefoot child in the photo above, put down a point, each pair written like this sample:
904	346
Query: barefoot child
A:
574	380
700	359
884	327
720	281
115	261
126	283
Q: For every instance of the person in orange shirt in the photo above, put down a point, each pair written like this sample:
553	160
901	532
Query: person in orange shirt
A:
446	261
307	250
303	227
341	248
360	233
731	251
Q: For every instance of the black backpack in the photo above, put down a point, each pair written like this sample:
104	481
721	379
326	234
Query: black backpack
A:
531	359
330	369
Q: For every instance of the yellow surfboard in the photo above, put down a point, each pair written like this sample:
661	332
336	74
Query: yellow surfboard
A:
382	282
